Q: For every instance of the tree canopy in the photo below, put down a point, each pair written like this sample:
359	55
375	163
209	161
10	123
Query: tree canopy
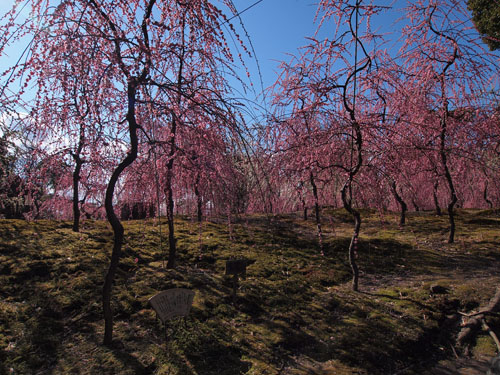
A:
486	17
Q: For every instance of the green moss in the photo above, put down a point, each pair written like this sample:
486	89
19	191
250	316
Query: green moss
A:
294	311
484	347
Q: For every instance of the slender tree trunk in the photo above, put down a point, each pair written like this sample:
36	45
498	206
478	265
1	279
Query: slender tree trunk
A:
453	200
317	211
113	219
170	215
415	205
436	201
354	239
401	202
347	202
485	195
199	201
170	164
76	206
305	209
447	174
444	129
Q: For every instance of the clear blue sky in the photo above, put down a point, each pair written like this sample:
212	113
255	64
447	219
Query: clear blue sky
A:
277	28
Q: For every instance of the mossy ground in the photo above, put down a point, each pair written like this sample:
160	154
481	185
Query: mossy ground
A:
294	313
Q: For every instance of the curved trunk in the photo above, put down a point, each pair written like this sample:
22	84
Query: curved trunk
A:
449	180
401	202
199	201
76	206
317	211
170	165
354	239
485	195
113	219
444	126
415	205
170	198
436	201
170	215
347	201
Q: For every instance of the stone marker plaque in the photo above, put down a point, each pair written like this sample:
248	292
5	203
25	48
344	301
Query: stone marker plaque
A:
172	302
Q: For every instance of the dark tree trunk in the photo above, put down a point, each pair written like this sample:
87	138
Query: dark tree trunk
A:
449	180
415	205
347	202
436	201
113	219
78	167
170	216
76	206
354	239
485	195
199	201
442	136
401	202
317	211
305	209
170	164
170	197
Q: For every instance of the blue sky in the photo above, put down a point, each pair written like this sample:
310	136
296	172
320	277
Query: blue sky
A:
277	28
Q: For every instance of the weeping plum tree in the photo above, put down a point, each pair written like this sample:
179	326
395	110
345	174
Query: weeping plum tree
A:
138	46
453	71
334	77
299	137
351	87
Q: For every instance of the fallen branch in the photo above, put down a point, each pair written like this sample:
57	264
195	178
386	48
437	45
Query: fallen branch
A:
473	325
482	312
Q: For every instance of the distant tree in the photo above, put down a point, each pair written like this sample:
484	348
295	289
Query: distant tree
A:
486	17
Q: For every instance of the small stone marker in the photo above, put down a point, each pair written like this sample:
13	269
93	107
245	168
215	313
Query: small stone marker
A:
172	302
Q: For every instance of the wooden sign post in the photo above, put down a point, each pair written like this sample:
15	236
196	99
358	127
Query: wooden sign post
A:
237	268
171	303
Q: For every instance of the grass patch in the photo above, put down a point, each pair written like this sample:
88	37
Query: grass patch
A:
294	313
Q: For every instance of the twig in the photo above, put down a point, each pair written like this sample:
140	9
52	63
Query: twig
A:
482	312
454	351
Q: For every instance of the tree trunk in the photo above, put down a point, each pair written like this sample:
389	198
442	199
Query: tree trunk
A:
401	202
170	217
199	201
354	239
443	134
113	219
485	195
317	211
76	206
415	205
170	164
453	196
436	201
